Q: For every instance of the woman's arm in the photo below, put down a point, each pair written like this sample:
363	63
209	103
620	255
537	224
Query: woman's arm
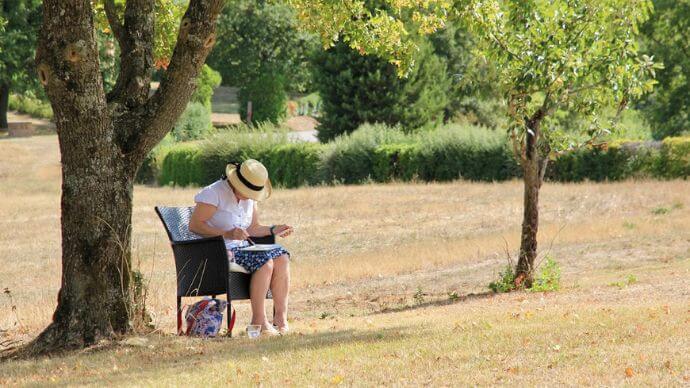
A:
202	213
256	229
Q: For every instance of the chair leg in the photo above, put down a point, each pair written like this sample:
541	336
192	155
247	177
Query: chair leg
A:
231	321
179	315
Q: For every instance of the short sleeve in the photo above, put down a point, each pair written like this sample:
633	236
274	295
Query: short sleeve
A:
207	195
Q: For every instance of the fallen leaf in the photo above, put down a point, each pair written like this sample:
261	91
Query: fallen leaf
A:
629	372
337	380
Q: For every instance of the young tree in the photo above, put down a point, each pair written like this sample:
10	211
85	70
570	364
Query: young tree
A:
17	44
105	137
575	55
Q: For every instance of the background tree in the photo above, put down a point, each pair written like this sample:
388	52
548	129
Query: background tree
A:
105	137
574	55
356	89
22	19
666	36
262	51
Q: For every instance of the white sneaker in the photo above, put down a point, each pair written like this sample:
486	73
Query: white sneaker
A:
269	331
283	330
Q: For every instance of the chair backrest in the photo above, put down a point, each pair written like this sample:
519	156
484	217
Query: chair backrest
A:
176	222
201	266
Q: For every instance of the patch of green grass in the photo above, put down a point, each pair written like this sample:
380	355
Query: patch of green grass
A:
506	280
628	225
660	210
629	280
548	278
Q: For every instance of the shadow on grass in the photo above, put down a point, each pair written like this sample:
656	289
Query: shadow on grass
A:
438	302
166	355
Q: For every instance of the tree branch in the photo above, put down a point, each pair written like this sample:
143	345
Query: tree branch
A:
136	54
113	19
195	40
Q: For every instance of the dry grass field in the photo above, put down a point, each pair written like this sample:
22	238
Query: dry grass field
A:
389	287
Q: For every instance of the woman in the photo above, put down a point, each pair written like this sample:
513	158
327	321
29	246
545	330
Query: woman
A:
228	208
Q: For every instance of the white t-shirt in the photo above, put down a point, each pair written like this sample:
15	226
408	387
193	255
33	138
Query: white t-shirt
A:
231	213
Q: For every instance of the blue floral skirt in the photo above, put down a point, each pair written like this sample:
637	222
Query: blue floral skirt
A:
252	261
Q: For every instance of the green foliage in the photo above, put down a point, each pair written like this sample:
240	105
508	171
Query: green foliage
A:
665	37
18	41
261	38
548	278
629	280
352	158
29	104
268	97
505	281
168	16
372	29
382	154
207	81
194	123
575	55
357	89
201	163
623	160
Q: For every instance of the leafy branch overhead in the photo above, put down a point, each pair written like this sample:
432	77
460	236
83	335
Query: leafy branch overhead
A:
574	55
379	32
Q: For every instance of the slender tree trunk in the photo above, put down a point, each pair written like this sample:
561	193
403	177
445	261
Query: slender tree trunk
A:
533	167
4	105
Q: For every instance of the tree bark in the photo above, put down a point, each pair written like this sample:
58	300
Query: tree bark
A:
4	105
533	167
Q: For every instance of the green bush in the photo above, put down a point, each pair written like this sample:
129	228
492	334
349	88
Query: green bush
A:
380	153
351	158
30	105
152	166
357	89
180	166
201	163
268	97
194	123
207	81
675	158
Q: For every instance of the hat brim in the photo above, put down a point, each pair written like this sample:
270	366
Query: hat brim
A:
231	173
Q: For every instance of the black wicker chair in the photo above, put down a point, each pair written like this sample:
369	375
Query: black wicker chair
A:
202	264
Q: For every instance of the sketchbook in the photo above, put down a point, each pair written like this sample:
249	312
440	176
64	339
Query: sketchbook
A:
260	247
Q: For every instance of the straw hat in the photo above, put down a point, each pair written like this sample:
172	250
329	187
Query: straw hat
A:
250	179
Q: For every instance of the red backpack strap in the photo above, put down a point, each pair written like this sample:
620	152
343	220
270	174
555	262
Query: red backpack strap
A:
231	319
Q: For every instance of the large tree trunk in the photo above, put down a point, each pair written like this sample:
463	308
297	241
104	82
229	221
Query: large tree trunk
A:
4	105
533	167
103	141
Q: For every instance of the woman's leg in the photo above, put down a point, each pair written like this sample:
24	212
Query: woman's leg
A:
280	287
261	280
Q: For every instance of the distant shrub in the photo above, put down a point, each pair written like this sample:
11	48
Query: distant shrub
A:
201	163
194	123
380	153
152	166
268	97
207	81
675	157
30	105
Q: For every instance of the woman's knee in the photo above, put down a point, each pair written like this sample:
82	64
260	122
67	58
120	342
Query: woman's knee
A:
268	266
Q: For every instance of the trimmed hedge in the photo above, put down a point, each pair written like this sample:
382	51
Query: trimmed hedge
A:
383	154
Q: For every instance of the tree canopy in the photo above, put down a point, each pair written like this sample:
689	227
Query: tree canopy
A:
666	36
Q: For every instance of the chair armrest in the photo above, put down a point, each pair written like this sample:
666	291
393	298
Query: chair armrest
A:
198	241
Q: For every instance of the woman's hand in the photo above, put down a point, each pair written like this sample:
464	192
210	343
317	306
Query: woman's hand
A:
282	230
236	234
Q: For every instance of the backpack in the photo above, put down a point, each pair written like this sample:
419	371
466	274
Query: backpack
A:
205	317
